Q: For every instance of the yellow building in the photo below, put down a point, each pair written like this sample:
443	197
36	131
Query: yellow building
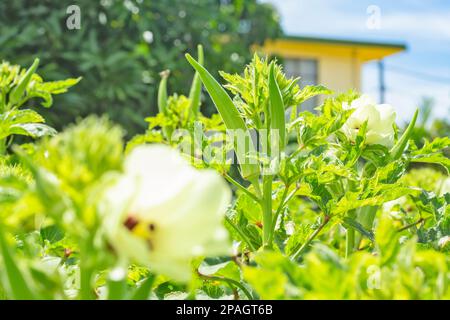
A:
336	64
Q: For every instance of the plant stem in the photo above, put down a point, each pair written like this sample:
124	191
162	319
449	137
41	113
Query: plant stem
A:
285	198
241	234
349	241
3	146
365	216
350	236
411	224
311	238
277	213
86	274
255	183
235	283
87	271
240	187
267	211
296	152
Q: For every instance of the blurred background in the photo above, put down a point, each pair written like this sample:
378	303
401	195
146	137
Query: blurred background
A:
397	51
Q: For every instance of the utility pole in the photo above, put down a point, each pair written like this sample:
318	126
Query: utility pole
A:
381	80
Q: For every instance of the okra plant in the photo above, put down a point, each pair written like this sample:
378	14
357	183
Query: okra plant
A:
346	158
263	200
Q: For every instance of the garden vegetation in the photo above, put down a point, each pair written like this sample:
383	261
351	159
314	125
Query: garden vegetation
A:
262	200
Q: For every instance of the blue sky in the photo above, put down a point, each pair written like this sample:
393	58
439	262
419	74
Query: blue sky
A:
423	25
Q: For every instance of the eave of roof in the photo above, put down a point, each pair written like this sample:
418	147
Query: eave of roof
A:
401	46
312	47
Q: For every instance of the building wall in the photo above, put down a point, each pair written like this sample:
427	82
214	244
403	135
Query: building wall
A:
339	62
339	66
339	73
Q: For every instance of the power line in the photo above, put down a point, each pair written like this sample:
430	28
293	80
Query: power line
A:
404	92
418	74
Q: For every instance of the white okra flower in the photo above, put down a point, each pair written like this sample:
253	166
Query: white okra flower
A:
162	212
380	120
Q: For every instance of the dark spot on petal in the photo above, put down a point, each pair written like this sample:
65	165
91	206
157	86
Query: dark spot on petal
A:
151	227
130	223
150	244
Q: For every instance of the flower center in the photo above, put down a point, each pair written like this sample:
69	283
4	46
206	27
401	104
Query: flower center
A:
143	230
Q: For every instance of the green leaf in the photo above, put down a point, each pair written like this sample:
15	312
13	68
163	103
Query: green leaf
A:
45	90
18	286
387	239
384	193
432	152
248	207
276	108
143	291
269	284
352	223
34	130
51	233
311	91
228	270
231	118
44	95
24	116
57	87
435	158
19	122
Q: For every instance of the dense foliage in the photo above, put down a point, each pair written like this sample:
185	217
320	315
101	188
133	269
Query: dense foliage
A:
122	45
324	208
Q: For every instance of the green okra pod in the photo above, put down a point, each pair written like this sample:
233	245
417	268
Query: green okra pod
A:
162	91
196	87
276	108
399	147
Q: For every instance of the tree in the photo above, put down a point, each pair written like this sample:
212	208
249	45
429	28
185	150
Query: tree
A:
121	46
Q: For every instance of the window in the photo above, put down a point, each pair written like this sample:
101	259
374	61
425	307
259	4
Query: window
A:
306	69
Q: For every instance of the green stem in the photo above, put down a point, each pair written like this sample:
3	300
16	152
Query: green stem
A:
240	187
285	198
267	210
350	237
365	216
411	224
296	152
3	146
300	251
86	275
349	242
280	207
255	183
87	271
241	234
229	281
